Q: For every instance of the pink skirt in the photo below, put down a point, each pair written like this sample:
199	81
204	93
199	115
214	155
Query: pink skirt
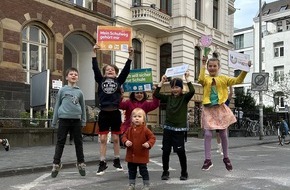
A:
217	117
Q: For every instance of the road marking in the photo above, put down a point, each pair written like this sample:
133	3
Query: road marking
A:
33	184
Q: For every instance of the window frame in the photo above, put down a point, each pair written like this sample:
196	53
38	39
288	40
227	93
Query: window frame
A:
197	62
137	62
41	54
166	6
197	14
215	14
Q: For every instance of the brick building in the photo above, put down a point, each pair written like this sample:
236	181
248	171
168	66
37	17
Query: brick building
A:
36	35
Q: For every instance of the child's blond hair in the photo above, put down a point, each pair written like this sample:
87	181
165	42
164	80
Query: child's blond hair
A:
136	110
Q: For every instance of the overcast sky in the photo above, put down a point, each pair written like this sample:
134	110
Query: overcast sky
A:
246	11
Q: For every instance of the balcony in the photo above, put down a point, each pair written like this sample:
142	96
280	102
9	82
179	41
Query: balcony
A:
150	19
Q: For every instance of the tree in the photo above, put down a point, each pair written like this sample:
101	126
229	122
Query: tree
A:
244	100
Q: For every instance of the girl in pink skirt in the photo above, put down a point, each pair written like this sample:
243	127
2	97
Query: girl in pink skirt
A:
215	113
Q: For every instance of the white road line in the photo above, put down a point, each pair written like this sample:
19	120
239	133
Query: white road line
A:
33	184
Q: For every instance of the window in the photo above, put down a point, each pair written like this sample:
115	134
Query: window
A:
283	8
136	3
239	41
83	3
197	60
215	13
166	6
287	24
34	51
279	26
137	54
198	10
266	12
279	49
279	73
237	72
165	58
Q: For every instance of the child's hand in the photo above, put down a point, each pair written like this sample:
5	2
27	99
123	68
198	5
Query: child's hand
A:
146	145
128	143
131	53
96	48
204	59
186	74
163	78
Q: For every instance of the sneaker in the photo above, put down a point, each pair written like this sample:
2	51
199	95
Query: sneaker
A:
117	164
207	165
184	176
102	167
82	168
165	175
55	169
145	187
6	144
228	164
131	187
220	149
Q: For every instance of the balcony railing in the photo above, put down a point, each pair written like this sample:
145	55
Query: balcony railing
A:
150	13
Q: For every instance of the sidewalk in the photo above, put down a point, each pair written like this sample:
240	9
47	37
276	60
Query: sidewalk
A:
20	160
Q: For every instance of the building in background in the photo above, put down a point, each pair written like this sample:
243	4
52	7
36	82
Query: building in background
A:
36	35
275	51
244	43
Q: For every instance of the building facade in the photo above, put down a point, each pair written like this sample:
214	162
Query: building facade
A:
36	35
275	48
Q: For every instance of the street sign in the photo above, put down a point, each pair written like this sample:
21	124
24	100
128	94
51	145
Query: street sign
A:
260	81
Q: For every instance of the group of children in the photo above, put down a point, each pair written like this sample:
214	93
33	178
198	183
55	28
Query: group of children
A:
136	137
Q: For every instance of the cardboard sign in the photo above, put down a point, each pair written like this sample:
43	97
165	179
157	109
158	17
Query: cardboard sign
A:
114	38
176	71
239	61
139	80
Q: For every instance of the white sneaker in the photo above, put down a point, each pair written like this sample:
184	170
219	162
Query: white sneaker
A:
220	149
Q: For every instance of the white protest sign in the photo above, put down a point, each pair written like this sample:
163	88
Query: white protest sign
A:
176	71
239	61
56	84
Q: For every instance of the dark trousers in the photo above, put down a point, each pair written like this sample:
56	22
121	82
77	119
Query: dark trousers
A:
132	168
65	126
174	139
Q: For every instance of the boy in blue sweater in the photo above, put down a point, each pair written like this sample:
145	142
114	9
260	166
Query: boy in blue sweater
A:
70	113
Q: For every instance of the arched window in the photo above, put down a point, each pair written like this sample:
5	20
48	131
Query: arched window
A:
34	50
137	54
165	58
197	59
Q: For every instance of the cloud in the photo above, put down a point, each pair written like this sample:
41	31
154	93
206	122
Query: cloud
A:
246	12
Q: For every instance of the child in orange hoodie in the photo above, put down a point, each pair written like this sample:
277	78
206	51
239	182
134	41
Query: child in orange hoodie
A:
138	139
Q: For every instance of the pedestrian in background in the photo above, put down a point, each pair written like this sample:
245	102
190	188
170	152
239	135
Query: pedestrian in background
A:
5	144
109	93
215	113
70	113
139	140
175	124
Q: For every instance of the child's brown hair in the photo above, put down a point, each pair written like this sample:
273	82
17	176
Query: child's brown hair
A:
71	69
114	66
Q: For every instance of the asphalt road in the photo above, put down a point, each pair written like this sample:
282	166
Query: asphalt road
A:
264	167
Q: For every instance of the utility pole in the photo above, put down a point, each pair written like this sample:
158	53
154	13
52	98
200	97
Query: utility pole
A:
261	136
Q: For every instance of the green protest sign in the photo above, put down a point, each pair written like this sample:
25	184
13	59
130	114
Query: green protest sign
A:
139	80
